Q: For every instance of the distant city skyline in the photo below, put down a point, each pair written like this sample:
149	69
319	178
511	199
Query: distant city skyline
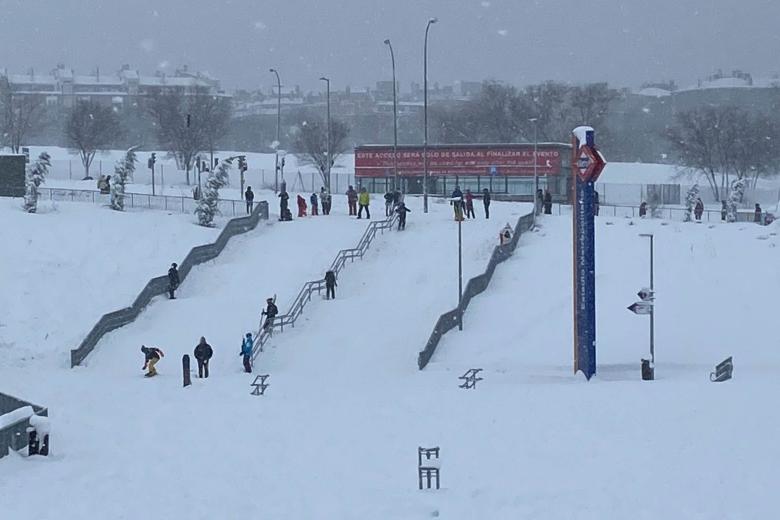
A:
237	41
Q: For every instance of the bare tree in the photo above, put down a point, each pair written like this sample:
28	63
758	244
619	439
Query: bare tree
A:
311	144
719	141
548	102
22	117
91	127
189	123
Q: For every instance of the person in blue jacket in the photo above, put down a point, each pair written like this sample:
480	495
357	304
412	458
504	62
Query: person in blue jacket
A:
246	351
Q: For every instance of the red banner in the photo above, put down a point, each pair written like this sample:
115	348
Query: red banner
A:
376	161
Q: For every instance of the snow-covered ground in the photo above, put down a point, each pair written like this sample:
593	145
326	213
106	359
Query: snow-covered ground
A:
70	263
337	432
333	376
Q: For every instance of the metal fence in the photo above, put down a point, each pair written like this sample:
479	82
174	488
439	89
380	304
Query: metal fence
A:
227	207
671	213
13	436
159	285
475	286
304	296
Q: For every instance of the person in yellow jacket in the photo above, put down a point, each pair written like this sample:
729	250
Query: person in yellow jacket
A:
363	200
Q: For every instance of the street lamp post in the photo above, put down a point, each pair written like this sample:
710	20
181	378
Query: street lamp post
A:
278	124
460	275
425	115
395	119
537	203
652	307
327	153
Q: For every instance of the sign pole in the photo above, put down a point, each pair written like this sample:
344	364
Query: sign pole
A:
587	165
652	309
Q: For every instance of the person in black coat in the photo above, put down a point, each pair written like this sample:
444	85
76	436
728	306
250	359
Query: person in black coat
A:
402	210
203	353
249	196
284	199
173	281
270	313
330	285
486	201
757	214
547	202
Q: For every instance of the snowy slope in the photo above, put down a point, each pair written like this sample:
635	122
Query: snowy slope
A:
332	377
337	433
70	263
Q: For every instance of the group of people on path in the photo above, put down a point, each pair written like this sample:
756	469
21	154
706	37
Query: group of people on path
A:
463	204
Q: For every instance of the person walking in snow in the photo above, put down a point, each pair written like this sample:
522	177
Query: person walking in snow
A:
284	199
470	204
643	209
151	356
486	202
313	200
246	351
173	281
270	313
352	197
402	210
301	207
457	203
249	196
364	199
325	200
203	353
757	214
698	210
330	285
723	210
388	203
547	202
539	201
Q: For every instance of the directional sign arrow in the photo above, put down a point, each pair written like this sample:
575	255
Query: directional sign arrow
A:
641	307
645	294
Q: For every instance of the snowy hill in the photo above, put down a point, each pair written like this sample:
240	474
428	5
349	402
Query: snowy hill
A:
337	432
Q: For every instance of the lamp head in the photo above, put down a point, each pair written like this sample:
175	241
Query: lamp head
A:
387	41
433	20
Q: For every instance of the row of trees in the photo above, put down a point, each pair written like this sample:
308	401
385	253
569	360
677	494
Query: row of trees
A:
726	143
185	126
506	114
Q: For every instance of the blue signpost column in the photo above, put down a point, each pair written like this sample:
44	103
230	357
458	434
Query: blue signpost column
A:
587	164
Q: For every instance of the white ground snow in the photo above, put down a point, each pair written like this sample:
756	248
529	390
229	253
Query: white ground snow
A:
70	263
336	434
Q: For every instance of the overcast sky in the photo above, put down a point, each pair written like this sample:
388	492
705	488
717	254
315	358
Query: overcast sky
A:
625	42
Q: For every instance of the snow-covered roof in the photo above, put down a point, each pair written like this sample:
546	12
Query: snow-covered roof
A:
653	92
107	79
28	79
172	81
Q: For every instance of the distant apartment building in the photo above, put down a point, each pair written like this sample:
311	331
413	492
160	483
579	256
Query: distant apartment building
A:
64	87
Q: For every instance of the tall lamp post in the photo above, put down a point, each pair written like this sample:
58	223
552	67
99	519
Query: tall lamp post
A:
327	153
278	124
652	306
537	203
425	115
460	274
395	119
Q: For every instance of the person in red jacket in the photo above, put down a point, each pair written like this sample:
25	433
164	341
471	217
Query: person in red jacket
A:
301	206
470	204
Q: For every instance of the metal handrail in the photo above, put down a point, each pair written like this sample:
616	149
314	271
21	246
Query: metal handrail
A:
304	295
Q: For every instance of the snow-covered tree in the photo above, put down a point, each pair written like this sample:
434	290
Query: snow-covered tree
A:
736	193
690	201
208	204
36	175
123	171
